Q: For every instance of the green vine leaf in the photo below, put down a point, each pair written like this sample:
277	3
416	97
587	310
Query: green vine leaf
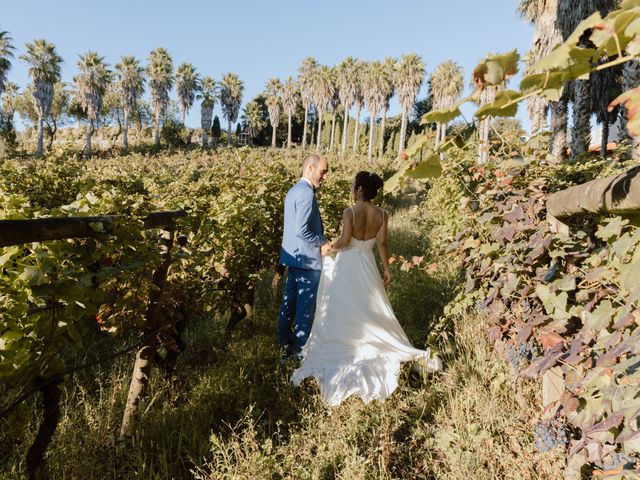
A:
428	168
496	69
32	276
444	115
599	318
504	105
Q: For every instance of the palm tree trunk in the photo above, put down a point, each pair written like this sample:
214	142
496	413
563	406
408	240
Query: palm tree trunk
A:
319	142
345	126
333	129
40	136
538	107
289	131
381	139
89	135
273	136
184	114
157	133
125	134
487	127
370	152
605	138
355	130
229	133
559	123
483	143
480	144
403	132
304	130
205	139
52	133
443	132
581	131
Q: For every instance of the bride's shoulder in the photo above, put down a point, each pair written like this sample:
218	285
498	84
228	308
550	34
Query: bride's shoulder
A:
348	211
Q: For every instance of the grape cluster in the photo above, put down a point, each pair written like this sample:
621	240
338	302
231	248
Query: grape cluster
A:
549	434
617	460
517	357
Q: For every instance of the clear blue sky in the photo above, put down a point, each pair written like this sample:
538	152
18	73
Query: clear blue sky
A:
259	39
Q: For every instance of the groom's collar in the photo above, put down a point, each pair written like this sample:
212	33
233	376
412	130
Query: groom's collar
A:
309	183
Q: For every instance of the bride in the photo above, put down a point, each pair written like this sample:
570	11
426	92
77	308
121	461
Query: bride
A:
356	344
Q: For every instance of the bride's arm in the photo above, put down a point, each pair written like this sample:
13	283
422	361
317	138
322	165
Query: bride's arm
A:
384	251
347	231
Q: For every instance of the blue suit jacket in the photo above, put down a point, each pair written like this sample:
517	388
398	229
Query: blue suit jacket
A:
303	229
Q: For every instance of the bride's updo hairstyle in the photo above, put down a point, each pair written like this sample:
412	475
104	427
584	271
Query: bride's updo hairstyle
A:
370	183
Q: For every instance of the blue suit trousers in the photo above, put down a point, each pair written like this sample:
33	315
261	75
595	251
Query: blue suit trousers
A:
298	308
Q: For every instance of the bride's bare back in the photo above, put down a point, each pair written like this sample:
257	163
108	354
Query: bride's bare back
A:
367	220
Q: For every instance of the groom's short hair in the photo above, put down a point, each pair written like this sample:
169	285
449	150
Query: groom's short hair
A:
312	159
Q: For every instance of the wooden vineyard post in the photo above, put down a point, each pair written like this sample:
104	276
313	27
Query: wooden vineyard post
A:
36	465
146	354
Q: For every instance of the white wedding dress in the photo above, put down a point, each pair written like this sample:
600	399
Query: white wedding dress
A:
356	344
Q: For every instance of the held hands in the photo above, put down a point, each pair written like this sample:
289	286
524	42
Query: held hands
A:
386	281
326	249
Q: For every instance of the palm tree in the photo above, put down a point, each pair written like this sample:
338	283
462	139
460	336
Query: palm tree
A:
447	82
187	85
305	84
347	89
359	100
252	119
335	104
91	84
6	52
160	73
58	111
130	76
545	38
274	88
323	90
207	94
487	95
387	93
372	86
11	91
569	15
231	89
44	70
289	102
408	78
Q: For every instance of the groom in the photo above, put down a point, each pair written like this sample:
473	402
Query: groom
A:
303	243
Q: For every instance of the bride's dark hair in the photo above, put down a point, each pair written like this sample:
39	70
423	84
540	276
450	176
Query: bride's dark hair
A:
370	183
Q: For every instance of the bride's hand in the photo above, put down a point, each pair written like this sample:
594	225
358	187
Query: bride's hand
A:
386	281
326	249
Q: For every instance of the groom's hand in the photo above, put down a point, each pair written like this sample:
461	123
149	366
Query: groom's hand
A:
325	249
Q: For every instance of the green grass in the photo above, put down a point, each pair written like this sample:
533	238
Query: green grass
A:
229	411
